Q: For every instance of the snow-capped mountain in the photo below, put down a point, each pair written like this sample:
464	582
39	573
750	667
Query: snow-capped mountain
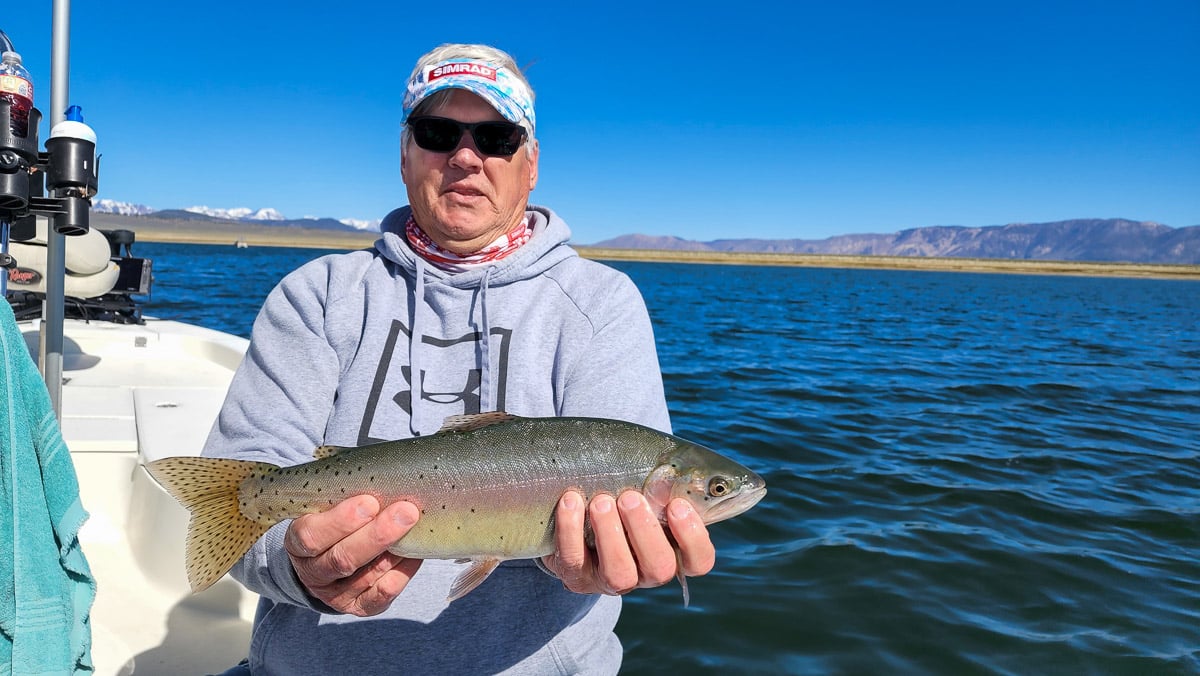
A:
239	213
360	224
122	208
266	215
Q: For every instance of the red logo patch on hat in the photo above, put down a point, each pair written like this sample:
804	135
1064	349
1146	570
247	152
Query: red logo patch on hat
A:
475	69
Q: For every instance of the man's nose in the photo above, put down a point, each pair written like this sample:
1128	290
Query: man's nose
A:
466	155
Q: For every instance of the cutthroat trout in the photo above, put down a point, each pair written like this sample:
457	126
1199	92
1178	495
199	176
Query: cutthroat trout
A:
487	486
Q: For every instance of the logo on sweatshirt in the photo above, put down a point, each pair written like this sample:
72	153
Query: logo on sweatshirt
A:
453	387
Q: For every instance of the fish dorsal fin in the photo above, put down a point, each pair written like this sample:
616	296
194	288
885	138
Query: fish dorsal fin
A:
323	452
474	421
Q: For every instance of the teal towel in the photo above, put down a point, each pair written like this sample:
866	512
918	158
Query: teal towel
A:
46	588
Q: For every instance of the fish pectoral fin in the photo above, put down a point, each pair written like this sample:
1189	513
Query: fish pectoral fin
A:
471	578
474	421
681	577
323	452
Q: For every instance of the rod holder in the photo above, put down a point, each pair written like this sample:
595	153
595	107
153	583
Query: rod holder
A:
68	168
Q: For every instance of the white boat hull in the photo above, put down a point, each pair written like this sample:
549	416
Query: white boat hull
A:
133	394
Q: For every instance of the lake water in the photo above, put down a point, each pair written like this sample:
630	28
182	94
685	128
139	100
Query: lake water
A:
968	473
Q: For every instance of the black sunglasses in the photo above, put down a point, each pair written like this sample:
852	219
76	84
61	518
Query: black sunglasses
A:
441	135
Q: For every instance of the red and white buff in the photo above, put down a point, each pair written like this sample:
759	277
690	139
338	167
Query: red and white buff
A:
445	259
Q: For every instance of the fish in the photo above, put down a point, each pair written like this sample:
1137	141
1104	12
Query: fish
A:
486	485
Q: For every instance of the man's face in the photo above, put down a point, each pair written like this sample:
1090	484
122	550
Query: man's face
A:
464	199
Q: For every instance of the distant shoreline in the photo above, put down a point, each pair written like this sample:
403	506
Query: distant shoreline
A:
253	235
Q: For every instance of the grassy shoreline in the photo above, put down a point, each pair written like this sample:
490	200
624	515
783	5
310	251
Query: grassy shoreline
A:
228	234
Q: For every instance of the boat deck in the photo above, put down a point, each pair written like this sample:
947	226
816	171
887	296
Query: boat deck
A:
132	394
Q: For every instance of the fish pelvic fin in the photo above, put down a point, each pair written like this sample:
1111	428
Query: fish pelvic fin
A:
218	533
471	578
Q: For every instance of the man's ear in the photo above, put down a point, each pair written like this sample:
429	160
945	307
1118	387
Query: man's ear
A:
533	166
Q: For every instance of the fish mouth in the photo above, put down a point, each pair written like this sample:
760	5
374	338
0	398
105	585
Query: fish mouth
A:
731	507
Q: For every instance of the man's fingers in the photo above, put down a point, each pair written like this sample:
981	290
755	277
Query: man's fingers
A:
615	566
655	556
313	534
571	560
696	551
357	548
372	588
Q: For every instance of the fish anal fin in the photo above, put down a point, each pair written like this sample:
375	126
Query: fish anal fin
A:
323	452
471	578
474	421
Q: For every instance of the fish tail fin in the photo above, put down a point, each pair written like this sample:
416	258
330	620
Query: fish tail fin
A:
218	533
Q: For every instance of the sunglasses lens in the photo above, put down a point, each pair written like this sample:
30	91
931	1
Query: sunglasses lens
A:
441	135
436	134
498	138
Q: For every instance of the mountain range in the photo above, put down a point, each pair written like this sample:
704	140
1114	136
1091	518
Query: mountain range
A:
266	216
1090	239
1085	239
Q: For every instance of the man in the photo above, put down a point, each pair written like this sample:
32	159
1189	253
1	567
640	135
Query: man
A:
471	301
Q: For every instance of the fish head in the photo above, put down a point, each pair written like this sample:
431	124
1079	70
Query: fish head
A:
717	487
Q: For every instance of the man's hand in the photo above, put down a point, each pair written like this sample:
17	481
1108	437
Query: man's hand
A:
632	550
341	555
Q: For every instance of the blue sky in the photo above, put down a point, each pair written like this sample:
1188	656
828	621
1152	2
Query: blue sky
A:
700	120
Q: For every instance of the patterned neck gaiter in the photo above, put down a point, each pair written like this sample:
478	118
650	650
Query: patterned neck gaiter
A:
451	262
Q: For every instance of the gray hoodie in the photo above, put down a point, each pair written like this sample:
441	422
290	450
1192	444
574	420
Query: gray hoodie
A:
377	345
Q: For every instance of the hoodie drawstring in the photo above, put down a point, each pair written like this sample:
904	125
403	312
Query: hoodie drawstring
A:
486	402
414	342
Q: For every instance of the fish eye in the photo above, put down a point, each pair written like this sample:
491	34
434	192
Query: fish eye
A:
719	487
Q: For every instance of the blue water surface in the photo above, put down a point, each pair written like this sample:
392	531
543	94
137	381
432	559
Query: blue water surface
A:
969	473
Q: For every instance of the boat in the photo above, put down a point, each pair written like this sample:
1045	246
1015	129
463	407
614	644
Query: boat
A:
131	389
135	389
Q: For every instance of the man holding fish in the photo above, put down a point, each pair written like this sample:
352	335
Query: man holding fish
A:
393	360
